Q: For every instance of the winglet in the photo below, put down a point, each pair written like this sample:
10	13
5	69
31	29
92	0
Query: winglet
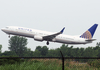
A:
62	30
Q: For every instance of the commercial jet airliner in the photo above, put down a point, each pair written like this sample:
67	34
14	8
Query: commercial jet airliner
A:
39	35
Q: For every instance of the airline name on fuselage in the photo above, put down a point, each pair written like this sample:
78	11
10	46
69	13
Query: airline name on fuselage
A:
25	29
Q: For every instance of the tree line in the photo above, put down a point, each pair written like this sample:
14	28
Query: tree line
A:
18	48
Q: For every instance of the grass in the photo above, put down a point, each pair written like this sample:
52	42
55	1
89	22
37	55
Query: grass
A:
47	64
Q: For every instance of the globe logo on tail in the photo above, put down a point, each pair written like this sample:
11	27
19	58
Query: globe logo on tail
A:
86	35
90	32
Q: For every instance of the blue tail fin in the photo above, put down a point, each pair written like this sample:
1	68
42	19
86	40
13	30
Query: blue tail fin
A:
90	32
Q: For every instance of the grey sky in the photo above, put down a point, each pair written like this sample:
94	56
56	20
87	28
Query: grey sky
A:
50	15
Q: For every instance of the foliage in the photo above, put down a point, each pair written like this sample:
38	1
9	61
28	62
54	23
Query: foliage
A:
43	50
18	45
69	52
18	48
37	53
32	65
0	48
28	53
9	53
45	64
94	63
10	60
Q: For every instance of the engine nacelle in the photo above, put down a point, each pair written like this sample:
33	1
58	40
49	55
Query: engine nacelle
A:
38	38
54	39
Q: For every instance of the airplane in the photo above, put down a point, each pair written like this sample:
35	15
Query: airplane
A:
40	35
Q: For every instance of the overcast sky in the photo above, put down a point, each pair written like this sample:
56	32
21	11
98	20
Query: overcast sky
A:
50	15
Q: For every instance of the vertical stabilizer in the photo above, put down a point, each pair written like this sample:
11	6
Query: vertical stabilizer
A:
90	32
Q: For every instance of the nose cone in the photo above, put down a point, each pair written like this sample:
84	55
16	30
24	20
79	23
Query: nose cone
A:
2	29
5	30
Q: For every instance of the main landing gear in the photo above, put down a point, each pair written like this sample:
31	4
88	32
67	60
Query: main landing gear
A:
47	43
9	36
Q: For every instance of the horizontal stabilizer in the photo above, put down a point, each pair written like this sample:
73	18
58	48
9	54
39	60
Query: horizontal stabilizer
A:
91	40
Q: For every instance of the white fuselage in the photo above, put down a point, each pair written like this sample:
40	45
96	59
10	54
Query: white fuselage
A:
38	34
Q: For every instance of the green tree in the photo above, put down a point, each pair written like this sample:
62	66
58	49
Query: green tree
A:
18	44
98	44
64	49
89	52
43	50
37	53
39	48
51	53
81	51
0	48
28	53
8	53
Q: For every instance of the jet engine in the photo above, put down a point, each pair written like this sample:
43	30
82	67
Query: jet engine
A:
38	38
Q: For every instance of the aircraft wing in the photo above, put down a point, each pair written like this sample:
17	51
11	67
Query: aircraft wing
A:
50	37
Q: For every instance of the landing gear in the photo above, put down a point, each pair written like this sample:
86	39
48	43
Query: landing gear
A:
9	36
47	42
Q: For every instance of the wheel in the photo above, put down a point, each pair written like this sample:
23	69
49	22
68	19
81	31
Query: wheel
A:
47	42
9	36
